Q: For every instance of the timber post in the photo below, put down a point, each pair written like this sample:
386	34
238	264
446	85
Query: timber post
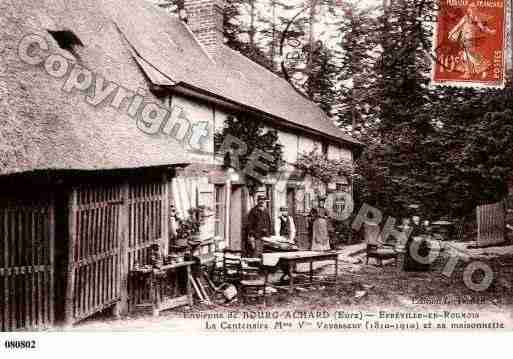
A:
165	215
511	38
227	198
51	220
122	306
70	273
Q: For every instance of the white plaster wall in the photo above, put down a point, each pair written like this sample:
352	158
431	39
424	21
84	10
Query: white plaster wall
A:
306	145
318	145
339	153
345	153
196	112
220	119
290	146
334	152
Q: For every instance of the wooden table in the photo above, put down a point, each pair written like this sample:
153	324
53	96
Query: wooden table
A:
287	261
155	279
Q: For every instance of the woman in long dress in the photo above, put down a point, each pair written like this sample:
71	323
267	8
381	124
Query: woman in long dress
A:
413	254
319	227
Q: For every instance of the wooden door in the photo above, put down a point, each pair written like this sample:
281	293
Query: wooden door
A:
147	221
94	251
301	209
236	210
291	201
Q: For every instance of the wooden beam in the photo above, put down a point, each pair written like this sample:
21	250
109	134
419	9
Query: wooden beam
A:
196	289
165	215
511	37
202	289
227	200
123	251
7	264
70	273
51	254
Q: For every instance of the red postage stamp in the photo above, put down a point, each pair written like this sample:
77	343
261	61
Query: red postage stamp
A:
469	43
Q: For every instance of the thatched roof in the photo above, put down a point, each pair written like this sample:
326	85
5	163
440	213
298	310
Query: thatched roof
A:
132	43
43	127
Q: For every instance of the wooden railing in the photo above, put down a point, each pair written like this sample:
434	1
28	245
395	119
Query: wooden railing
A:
147	219
490	224
94	271
110	227
27	263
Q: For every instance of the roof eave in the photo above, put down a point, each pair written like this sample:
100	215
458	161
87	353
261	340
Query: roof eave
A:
191	90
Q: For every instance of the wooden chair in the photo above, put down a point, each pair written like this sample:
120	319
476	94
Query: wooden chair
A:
252	285
232	266
381	252
375	247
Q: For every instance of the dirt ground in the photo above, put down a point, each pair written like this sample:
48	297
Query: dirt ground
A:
362	286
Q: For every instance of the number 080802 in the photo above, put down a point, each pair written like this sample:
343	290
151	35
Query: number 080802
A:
20	344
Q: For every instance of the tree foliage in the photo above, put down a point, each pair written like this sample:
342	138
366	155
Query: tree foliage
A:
446	148
356	58
320	85
241	35
319	166
253	134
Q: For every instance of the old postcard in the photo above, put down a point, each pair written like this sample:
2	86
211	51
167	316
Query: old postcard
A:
254	166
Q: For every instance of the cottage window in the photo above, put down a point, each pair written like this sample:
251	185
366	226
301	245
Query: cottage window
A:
325	148
308	202
342	184
219	210
341	187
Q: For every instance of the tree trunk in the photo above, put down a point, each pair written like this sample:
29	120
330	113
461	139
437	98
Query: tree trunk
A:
311	38
511	38
252	29
272	50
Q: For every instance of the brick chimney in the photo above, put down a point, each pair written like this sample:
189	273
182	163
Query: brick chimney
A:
205	19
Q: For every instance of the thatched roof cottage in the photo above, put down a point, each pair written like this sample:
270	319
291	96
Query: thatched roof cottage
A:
100	101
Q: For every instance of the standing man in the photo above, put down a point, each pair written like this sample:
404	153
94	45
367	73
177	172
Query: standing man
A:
259	225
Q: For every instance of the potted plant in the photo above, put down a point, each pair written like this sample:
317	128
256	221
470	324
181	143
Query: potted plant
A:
194	223
188	229
203	218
